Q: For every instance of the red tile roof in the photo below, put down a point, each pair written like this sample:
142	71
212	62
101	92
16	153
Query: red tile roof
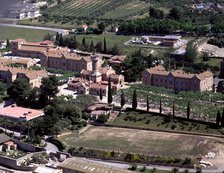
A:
20	113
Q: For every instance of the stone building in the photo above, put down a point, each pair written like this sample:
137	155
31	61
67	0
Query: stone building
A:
9	74
96	81
177	80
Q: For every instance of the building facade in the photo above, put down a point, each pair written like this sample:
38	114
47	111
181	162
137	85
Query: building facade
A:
177	80
52	56
21	47
9	74
96	81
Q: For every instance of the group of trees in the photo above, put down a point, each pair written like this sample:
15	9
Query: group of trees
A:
219	117
84	45
24	95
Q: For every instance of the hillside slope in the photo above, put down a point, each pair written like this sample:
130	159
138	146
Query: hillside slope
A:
115	9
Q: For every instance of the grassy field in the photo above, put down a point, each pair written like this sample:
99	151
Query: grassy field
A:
28	34
113	39
115	9
140	141
136	119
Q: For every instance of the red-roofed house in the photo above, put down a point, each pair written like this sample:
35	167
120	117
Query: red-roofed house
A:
20	113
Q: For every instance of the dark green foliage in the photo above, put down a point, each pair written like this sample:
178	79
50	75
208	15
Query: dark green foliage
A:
160	106
188	110
147	104
218	118
134	100
91	47
7	44
156	13
220	87
101	94
122	99
99	46
102	118
49	87
191	53
173	115
101	26
222	120
115	50
175	13
109	95
217	41
104	45
19	90
135	64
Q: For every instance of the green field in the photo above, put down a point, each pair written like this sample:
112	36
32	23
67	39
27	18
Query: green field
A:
147	120
28	34
119	40
141	141
115	9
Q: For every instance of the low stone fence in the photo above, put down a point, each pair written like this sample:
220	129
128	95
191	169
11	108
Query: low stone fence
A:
27	147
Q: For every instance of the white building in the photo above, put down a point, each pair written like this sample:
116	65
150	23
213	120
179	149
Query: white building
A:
23	10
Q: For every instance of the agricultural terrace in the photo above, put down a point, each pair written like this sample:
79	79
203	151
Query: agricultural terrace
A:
28	34
156	121
141	141
113	9
203	105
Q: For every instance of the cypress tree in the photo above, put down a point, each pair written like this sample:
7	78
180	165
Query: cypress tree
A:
61	41
57	37
188	110
105	45
91	46
222	120
122	99
101	94
84	41
109	97
173	111
7	44
218	118
147	103
134	100
160	106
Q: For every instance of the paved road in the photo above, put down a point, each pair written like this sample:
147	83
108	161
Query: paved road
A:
62	31
51	148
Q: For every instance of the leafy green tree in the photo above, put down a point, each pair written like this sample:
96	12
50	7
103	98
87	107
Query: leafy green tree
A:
73	113
175	13
191	53
99	47
188	110
49	87
19	90
101	26
102	118
115	50
134	100
218	118
156	13
109	95
122	99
